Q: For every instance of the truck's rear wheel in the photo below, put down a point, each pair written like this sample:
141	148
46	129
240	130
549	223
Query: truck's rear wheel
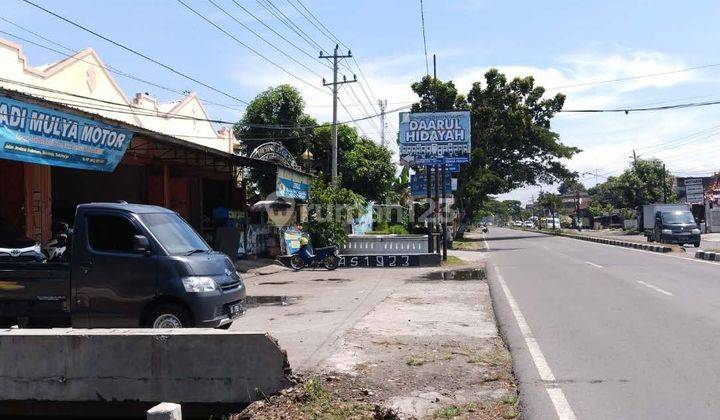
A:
168	316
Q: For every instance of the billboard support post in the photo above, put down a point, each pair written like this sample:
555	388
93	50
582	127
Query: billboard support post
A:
431	224
444	218
437	206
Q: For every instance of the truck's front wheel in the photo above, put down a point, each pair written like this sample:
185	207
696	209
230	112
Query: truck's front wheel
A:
168	316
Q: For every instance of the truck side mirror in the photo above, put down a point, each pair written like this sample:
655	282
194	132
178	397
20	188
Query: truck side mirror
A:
141	244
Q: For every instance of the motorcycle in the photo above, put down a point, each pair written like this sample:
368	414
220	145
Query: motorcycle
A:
58	249
326	257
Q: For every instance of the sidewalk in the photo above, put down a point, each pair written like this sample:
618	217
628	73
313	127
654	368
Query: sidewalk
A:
404	339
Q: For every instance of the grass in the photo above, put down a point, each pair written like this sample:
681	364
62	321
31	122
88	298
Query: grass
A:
319	403
452	411
453	261
415	361
495	357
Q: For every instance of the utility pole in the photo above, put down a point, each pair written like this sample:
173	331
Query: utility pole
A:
382	103
634	156
335	84
664	184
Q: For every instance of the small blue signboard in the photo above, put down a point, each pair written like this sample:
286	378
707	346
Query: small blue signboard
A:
418	184
430	138
291	184
35	134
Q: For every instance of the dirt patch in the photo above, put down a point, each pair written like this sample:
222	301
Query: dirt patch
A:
328	397
274	282
333	280
457	275
433	352
270	300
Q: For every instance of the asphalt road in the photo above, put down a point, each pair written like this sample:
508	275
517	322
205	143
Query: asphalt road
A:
603	332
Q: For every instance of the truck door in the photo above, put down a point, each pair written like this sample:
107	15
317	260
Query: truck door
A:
111	280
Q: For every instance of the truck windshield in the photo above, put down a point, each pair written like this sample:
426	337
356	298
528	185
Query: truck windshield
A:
176	236
677	217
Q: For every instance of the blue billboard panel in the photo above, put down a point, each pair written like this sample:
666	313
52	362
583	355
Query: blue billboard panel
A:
35	134
418	184
429	138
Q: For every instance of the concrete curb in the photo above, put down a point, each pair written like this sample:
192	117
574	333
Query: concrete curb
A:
707	256
636	245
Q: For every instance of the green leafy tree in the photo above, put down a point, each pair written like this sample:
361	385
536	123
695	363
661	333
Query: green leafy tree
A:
330	210
512	143
277	106
514	208
551	203
364	166
645	182
571	185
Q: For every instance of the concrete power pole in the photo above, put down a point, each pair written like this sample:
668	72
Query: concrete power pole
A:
335	84
382	103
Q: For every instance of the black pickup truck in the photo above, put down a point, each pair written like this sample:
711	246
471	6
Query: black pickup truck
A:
130	265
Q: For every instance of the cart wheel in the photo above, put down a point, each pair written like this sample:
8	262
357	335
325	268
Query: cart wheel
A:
296	263
331	262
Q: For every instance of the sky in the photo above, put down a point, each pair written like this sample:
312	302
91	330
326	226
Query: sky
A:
559	43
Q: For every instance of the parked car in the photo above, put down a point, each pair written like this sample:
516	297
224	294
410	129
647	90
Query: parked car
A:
518	223
529	224
130	266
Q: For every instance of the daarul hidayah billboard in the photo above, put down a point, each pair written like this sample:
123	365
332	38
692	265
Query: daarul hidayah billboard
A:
429	138
35	134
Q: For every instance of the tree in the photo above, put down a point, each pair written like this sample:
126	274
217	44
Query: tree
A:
514	208
571	185
277	106
363	166
645	182
512	143
330	210
550	202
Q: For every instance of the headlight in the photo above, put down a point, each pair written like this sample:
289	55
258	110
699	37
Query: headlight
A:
696	231
667	232
197	284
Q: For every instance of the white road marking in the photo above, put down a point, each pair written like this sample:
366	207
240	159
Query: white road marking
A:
557	396
655	288
657	254
593	264
487	247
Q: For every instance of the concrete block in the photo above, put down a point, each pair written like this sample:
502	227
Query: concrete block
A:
165	411
140	365
700	254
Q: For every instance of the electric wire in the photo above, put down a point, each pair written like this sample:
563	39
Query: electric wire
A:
135	52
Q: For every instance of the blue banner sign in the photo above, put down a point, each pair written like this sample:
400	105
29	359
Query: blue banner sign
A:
429	138
418	185
35	134
291	184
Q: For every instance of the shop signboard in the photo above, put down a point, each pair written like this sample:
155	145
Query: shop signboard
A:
291	184
430	138
694	190
36	134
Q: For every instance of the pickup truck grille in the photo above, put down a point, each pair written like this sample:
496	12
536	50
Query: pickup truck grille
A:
230	286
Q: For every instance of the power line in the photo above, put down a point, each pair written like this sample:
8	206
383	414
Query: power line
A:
133	51
280	35
160	114
422	20
623	79
203	17
264	40
109	68
654	108
270	7
333	38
